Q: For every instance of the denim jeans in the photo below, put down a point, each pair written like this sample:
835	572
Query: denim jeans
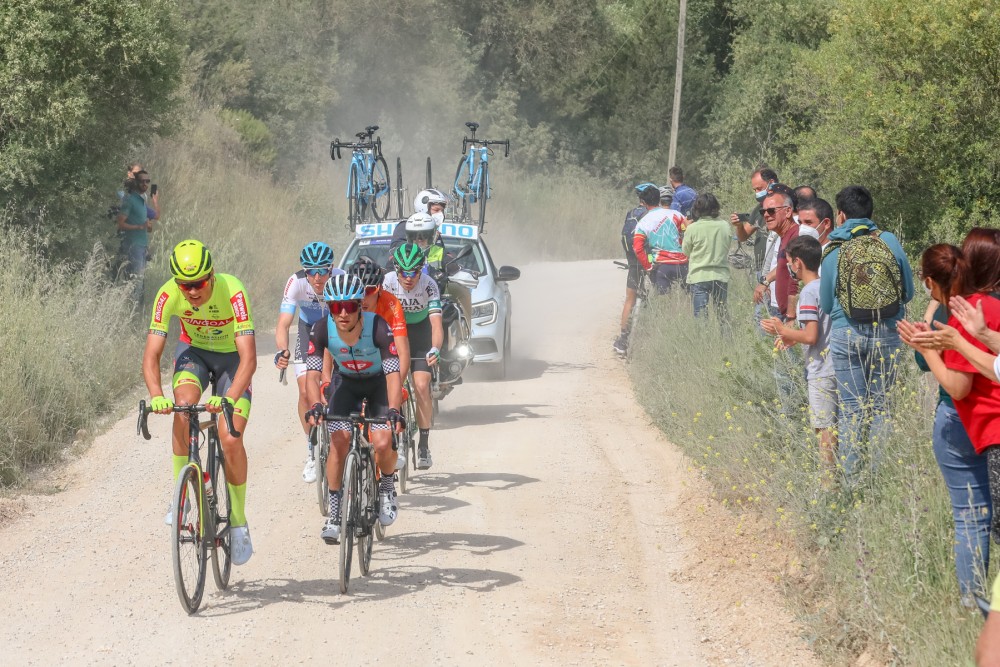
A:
864	360
135	269
966	477
718	291
665	276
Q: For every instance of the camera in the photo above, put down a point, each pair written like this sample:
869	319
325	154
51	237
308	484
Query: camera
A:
152	189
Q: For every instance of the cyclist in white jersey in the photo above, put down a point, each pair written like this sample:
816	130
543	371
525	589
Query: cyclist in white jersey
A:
421	301
304	292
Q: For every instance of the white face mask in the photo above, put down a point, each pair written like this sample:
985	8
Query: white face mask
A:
438	217
928	290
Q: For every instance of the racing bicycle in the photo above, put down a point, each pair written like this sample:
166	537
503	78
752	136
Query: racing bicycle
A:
641	294
368	186
319	447
406	447
472	177
359	505
200	506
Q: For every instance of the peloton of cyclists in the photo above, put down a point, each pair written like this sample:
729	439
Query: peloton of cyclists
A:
362	347
304	291
422	305
216	340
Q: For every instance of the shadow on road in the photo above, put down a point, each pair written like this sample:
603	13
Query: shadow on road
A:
410	545
484	415
435	483
523	369
429	504
384	583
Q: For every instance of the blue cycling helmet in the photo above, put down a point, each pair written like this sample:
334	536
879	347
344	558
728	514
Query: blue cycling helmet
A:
642	186
316	255
344	287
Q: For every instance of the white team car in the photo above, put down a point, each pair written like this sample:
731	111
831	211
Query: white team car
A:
491	307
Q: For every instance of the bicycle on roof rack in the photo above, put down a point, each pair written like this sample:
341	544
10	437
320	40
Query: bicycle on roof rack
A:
368	186
472	177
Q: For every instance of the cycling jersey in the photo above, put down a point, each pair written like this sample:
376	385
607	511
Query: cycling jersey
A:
390	309
423	300
299	293
373	354
212	326
661	229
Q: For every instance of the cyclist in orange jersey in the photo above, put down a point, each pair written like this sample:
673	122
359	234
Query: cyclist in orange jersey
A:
384	304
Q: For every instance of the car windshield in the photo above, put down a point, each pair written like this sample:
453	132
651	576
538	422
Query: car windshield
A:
378	250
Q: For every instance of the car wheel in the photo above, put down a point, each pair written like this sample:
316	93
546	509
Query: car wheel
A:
499	370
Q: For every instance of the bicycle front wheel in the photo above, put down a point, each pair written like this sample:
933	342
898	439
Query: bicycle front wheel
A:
189	549
369	512
484	194
402	447
222	564
321	450
381	192
463	205
354	204
349	514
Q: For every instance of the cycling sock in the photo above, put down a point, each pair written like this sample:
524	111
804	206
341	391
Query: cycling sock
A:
179	463
424	432
385	484
237	504
335	504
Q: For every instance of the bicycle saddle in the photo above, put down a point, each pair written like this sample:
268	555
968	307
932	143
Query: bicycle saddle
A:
472	126
371	129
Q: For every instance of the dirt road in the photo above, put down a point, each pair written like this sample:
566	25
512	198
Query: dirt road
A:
556	527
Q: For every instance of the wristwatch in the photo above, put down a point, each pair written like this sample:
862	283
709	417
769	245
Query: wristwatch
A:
763	281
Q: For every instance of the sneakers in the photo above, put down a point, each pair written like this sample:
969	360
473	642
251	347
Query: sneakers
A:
387	508
424	458
621	344
309	472
331	530
240	545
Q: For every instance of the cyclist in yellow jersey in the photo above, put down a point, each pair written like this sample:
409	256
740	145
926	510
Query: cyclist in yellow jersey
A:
217	340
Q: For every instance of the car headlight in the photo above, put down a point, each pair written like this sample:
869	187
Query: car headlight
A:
486	311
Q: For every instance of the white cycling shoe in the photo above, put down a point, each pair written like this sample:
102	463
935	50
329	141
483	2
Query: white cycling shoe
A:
309	471
240	545
388	510
331	530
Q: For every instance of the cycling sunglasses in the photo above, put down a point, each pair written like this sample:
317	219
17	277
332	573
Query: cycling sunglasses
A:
322	271
422	236
409	274
193	284
338	307
372	289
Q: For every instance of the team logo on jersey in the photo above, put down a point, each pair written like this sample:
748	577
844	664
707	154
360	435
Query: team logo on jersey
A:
158	311
188	313
207	323
312	348
239	303
344	350
356	365
392	348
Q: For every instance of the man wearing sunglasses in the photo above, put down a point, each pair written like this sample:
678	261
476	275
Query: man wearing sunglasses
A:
135	222
304	292
362	348
217	341
422	305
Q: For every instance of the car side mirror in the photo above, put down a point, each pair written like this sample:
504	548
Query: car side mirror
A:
508	273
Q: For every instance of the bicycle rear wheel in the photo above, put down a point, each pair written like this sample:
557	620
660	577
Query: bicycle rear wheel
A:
399	188
188	546
321	450
402	449
354	206
430	183
381	191
484	194
349	506
369	514
222	564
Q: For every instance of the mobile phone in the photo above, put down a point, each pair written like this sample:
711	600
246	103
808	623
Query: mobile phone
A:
152	189
743	217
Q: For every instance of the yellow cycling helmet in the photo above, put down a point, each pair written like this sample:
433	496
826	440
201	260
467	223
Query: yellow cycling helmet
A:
190	260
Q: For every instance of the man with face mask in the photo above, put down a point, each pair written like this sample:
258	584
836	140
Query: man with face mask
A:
752	223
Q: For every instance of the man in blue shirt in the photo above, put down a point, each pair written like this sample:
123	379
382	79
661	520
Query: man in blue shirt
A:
684	195
135	223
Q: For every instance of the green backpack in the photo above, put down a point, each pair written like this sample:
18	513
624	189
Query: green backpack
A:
869	280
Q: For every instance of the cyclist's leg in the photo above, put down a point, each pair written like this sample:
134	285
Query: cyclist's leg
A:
224	365
381	440
190	379
300	375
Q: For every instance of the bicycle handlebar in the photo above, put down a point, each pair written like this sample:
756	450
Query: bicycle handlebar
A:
144	412
356	418
486	143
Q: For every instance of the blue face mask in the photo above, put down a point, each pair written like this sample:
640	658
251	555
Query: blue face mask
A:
761	195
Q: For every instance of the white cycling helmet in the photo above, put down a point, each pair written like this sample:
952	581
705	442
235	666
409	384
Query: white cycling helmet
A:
425	198
420	222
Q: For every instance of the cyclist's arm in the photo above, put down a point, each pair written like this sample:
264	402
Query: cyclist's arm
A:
281	332
151	363
327	366
315	361
437	330
246	347
403	350
639	245
385	342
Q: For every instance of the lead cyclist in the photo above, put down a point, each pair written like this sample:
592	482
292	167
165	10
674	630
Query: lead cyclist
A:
217	339
304	292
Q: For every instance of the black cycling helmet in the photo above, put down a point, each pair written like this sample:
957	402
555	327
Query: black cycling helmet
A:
368	271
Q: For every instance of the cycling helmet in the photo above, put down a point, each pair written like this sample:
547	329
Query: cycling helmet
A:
420	222
667	193
408	257
367	271
642	186
316	255
190	260
425	198
344	287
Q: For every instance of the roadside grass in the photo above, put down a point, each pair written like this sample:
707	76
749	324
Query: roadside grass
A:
869	572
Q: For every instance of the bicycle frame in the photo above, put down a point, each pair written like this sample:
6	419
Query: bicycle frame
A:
362	160
474	182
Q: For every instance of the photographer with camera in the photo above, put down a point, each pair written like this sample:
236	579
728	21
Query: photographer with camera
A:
135	222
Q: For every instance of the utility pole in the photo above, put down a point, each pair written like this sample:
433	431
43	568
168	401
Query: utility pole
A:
678	76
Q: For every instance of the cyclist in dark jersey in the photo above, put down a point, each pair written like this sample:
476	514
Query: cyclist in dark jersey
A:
361	345
634	267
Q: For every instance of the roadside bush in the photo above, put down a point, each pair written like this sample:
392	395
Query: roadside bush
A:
871	571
